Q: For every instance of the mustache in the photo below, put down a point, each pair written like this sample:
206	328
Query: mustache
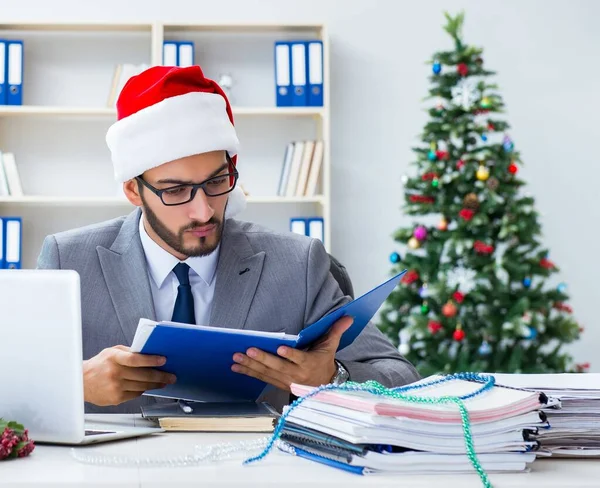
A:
194	225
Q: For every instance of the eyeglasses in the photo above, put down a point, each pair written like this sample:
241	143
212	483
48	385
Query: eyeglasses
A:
180	194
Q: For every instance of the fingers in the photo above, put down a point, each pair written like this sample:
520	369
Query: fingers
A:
148	375
245	363
261	375
269	361
293	355
140	386
136	360
331	340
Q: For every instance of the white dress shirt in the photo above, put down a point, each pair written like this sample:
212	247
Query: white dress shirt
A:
164	283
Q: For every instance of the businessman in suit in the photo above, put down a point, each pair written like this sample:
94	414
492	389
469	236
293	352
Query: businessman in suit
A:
181	256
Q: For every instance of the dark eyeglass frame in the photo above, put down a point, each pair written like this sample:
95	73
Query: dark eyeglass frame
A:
195	186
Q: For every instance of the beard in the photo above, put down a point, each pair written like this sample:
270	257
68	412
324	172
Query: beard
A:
176	241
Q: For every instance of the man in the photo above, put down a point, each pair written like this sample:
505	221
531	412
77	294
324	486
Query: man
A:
180	256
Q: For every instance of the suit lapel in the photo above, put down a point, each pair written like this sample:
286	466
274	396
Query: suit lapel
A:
126	276
238	274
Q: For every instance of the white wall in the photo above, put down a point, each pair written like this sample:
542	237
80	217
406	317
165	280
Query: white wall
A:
546	56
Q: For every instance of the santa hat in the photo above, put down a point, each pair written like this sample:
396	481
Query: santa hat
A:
166	113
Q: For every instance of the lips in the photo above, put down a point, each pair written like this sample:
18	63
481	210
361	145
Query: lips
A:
202	231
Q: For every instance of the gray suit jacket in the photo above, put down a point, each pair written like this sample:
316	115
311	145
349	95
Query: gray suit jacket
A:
287	287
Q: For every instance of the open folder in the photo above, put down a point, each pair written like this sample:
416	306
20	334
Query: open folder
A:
201	356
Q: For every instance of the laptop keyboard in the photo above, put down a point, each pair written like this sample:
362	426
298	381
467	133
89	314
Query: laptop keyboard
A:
97	432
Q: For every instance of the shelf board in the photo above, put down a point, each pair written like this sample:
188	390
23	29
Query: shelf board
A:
36	110
242	26
77	26
122	201
58	111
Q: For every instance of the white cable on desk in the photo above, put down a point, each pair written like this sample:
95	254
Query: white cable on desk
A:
226	451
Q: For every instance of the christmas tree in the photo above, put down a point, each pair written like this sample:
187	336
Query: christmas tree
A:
477	293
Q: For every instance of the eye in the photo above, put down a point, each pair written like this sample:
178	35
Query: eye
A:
175	191
218	181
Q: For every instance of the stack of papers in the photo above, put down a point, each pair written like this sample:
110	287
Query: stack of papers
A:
575	421
367	433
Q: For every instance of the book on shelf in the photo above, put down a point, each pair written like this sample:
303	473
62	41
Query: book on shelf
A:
10	181
121	75
301	169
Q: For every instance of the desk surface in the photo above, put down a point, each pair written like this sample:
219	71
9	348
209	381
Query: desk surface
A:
56	466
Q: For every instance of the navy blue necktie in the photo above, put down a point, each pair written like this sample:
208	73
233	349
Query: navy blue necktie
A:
184	304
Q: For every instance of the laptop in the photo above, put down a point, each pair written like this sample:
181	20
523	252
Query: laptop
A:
41	371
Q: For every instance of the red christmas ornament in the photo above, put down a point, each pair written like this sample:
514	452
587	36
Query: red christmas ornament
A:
449	310
466	213
491	126
483	248
458	335
441	154
460	164
410	277
434	326
546	263
563	307
512	168
421	199
462	69
428	176
458	297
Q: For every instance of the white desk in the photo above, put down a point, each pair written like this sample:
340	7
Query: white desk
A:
55	466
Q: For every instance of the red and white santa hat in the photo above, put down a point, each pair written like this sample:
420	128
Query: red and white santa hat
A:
166	113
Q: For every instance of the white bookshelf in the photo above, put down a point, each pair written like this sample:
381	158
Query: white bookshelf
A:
58	134
40	110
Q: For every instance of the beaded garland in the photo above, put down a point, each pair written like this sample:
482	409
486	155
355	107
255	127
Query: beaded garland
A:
399	393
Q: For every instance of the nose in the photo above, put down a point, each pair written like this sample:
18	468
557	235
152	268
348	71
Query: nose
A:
199	207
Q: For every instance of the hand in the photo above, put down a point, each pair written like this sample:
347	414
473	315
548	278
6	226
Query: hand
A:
117	375
314	367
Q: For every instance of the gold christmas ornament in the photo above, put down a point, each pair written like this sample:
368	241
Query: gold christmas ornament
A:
482	173
471	201
414	243
443	225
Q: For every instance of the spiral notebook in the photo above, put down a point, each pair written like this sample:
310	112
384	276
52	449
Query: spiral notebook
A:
366	433
497	404
575	424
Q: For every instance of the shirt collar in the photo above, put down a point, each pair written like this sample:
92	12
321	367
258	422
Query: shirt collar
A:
161	262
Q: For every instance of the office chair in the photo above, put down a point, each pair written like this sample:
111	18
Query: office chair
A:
339	272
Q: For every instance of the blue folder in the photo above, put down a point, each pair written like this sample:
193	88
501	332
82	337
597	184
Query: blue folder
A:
201	356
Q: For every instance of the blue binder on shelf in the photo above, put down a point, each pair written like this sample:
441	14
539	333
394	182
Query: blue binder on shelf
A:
299	225
185	54
3	69
315	74
311	227
315	228
170	53
283	74
299	51
14	73
2	243
12	239
201	357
